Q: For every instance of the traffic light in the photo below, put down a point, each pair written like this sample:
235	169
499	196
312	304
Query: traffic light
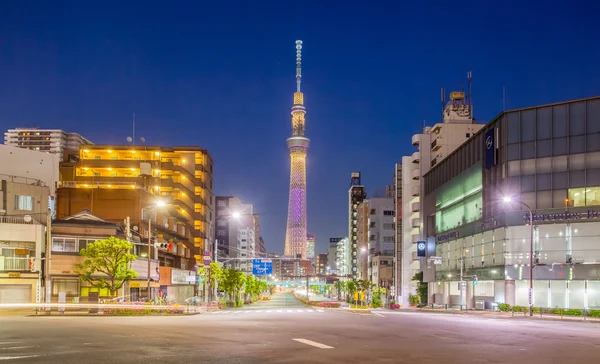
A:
163	245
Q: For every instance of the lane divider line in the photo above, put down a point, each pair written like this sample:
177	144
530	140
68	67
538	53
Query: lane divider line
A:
313	343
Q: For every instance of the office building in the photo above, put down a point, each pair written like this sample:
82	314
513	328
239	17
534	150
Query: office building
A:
356	195
398	239
545	160
331	267
227	228
343	257
246	249
115	182
321	265
23	221
52	141
310	247
434	144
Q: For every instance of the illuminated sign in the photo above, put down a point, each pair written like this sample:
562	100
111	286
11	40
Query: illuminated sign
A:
563	216
448	236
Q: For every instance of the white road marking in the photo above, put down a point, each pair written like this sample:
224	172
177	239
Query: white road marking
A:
259	311
378	314
289	311
313	343
17	347
310	311
18	357
279	311
269	310
320	311
299	310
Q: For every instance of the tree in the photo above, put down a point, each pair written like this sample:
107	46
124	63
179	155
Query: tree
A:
340	287
377	293
422	289
109	257
232	281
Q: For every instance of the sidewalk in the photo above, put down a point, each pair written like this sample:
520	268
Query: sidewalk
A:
496	314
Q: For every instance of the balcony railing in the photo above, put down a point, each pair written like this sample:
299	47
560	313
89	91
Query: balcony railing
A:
16	220
14	264
24	180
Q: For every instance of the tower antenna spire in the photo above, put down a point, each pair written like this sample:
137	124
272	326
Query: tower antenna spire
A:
298	64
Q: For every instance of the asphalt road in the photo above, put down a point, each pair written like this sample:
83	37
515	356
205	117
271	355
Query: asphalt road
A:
282	331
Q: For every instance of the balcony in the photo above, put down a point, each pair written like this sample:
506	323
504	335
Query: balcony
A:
416	174
415	190
416	156
14	264
416	139
436	144
415	238
415	206
415	222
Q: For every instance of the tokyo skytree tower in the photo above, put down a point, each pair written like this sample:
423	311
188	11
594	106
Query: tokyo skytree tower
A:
295	236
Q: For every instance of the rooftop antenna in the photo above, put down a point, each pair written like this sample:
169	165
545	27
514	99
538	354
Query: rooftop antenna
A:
132	139
298	64
443	101
469	78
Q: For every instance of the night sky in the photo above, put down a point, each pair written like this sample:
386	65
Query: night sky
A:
221	75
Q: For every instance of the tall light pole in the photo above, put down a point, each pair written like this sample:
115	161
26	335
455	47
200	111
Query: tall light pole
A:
150	210
508	200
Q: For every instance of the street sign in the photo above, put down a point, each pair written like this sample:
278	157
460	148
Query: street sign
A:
262	266
206	253
206	262
436	260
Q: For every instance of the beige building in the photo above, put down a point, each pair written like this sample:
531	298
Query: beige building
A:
23	216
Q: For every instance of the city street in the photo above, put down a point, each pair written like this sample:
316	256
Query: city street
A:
283	331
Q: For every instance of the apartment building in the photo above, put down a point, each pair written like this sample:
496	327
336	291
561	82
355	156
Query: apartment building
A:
321	265
310	247
115	182
434	144
54	141
231	217
23	219
356	195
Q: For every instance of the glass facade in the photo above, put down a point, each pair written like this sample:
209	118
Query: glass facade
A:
458	202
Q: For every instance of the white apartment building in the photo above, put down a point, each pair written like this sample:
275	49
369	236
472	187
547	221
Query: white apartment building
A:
247	248
356	195
23	218
310	247
227	229
434	144
343	260
54	141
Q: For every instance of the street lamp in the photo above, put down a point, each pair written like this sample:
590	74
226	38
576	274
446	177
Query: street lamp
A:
151	208
508	200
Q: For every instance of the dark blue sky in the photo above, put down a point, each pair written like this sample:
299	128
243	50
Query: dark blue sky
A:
220	74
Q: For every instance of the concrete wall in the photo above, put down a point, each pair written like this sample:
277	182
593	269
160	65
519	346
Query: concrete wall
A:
30	164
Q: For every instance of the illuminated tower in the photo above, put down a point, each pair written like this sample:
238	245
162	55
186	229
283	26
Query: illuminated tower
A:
295	235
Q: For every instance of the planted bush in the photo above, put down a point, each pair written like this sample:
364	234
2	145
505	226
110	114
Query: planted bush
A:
329	304
396	306
504	307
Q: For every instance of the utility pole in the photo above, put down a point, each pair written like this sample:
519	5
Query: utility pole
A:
149	239
48	287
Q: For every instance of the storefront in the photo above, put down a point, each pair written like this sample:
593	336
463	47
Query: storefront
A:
176	285
566	272
19	287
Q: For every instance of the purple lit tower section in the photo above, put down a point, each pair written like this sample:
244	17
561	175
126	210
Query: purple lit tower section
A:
295	236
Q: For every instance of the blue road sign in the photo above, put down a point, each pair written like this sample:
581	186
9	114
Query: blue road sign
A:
262	266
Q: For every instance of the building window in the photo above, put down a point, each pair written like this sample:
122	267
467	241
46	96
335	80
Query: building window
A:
221	203
71	287
468	135
372	211
97	157
24	203
388	239
221	222
65	245
389	226
587	196
388	213
221	232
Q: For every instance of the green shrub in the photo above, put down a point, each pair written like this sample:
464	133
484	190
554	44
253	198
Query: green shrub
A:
413	299
573	312
520	309
593	313
557	311
504	307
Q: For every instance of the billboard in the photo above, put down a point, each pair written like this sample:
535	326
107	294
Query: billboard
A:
262	266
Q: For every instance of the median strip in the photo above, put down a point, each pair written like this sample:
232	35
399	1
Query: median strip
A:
313	343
